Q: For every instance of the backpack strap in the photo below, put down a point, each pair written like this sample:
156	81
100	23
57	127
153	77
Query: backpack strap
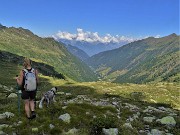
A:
25	72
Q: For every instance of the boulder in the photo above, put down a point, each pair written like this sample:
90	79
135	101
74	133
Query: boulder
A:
156	132
148	119
12	95
110	131
8	114
168	120
65	117
128	125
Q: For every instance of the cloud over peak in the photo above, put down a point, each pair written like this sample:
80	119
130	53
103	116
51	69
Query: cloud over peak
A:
88	36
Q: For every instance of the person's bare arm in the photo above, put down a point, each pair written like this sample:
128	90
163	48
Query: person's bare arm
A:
20	78
37	77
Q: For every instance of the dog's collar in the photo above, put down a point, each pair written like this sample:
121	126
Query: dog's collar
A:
53	92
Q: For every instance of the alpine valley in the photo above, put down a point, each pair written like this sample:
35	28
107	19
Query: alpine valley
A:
147	60
131	90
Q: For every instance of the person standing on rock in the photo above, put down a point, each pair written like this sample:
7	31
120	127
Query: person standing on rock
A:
28	81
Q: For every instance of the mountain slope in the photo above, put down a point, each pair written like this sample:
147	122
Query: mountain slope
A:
23	42
92	48
142	61
77	52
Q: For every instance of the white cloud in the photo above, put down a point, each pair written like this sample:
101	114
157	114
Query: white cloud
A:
157	36
92	37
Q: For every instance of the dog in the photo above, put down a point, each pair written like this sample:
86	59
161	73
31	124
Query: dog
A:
48	97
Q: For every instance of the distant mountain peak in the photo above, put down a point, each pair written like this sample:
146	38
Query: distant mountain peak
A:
173	35
2	26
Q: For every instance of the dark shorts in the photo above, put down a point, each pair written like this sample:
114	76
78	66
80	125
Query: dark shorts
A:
28	95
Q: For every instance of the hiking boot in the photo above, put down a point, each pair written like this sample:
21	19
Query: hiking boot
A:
33	115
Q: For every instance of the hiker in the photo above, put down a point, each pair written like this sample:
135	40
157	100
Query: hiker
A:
28	81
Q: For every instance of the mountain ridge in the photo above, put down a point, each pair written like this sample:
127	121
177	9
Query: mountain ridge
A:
23	42
126	60
77	52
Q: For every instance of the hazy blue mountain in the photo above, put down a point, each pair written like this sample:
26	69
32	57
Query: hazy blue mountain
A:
92	48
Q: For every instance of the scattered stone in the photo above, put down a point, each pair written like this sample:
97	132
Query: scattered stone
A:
51	126
19	123
132	108
110	131
2	116
8	114
101	103
68	94
12	95
168	120
60	93
72	131
115	103
149	119
142	132
169	134
64	107
129	119
135	116
128	125
2	133
152	109
65	117
3	126
35	129
156	132
172	114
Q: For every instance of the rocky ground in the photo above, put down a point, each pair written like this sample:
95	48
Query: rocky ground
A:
87	114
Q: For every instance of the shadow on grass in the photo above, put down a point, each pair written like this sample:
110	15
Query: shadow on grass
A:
91	92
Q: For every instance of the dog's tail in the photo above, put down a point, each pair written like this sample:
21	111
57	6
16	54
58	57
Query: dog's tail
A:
41	103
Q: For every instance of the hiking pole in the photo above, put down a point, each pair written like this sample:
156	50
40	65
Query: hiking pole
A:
18	93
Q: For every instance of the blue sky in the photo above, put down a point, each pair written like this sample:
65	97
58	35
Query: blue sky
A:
117	17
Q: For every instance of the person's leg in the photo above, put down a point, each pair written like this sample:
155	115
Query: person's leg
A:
25	97
27	110
32	106
32	103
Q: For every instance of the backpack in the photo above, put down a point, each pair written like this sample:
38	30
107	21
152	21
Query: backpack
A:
30	83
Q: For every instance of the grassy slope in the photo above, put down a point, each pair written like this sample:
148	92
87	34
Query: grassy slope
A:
141	61
24	43
154	93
